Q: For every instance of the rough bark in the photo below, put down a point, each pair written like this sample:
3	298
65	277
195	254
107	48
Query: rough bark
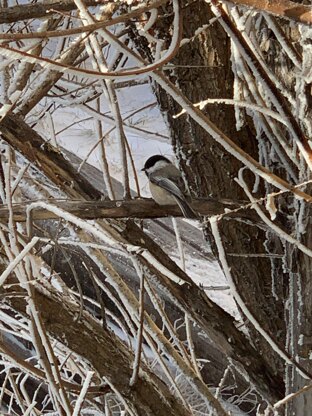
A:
211	171
109	356
283	8
137	208
46	158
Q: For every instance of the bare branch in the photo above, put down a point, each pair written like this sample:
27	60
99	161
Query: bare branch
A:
282	8
37	10
138	208
103	349
83	29
45	157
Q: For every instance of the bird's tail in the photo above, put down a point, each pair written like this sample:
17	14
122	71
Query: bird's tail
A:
186	209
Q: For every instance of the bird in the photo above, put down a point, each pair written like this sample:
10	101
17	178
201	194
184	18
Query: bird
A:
166	184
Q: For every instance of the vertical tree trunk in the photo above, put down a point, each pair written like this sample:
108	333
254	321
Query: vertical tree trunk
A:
203	70
277	290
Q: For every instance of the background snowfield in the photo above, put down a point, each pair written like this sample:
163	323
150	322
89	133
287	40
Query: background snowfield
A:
147	134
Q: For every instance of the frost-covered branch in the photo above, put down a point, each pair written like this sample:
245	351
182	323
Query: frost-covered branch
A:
42	9
278	349
255	64
8	14
90	340
138	208
13	53
282	8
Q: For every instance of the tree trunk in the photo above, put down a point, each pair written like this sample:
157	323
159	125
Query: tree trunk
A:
264	283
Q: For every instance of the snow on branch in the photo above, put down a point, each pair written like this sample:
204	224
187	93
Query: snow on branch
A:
255	64
16	54
227	271
282	8
81	29
135	208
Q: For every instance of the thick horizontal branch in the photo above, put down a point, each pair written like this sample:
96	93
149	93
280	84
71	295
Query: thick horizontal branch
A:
282	8
37	10
135	208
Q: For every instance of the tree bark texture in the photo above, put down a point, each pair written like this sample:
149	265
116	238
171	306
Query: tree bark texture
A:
110	357
276	291
210	170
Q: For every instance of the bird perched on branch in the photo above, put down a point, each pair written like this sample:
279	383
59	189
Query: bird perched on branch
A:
166	184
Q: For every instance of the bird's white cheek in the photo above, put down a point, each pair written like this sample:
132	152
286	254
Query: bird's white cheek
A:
161	196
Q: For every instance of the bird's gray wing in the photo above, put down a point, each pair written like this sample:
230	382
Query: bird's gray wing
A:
168	185
174	190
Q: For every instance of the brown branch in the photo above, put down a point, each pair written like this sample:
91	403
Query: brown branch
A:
37	10
282	8
46	158
103	349
138	208
197	115
82	29
62	67
213	320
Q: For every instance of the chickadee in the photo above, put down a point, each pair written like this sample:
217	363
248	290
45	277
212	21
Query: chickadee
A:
166	184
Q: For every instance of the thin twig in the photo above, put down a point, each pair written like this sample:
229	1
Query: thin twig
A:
139	338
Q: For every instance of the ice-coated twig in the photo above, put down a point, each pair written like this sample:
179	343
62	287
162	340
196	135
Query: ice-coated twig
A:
30	409
46	63
99	116
272	131
129	407
47	34
275	97
284	42
252	43
19	177
191	346
83	393
166	322
243	104
281	233
131	303
39	337
222	381
179	242
104	164
139	337
292	396
222	258
8	193
30	404
17	259
111	96
17	396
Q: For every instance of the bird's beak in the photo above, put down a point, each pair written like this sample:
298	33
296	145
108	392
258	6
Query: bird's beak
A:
143	170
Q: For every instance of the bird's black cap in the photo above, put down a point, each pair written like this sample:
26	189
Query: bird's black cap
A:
153	159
